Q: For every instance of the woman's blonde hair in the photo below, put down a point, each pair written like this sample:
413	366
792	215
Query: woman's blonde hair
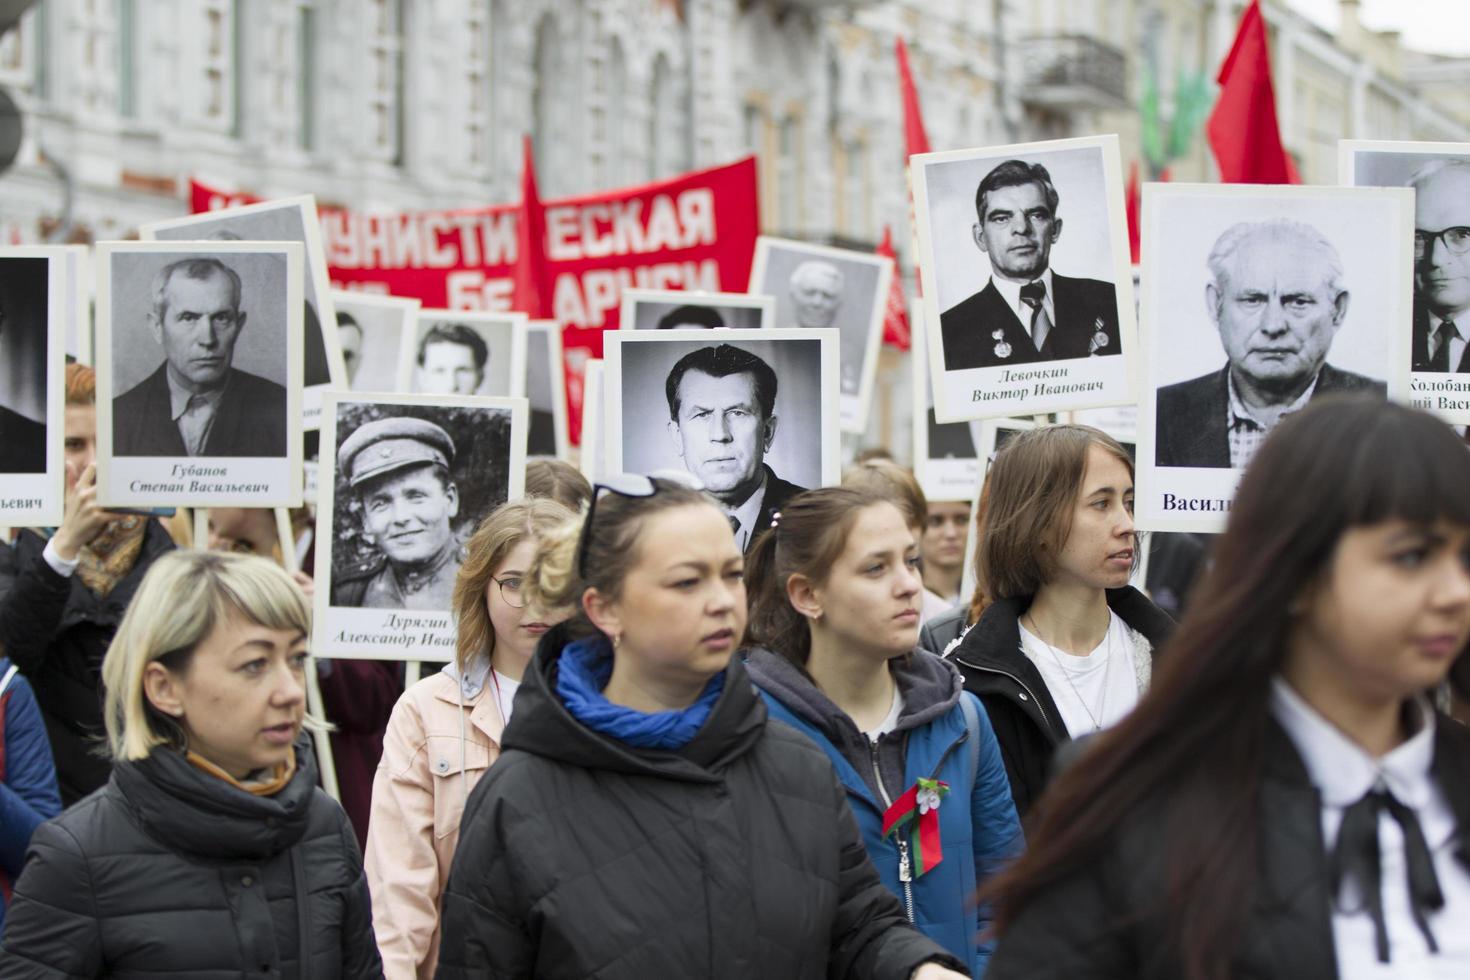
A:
181	600
496	537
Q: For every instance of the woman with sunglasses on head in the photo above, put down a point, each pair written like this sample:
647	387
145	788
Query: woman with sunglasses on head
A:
445	732
1064	646
211	851
1286	802
643	820
834	593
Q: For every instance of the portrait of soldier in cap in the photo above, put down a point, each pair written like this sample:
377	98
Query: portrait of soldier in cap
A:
398	471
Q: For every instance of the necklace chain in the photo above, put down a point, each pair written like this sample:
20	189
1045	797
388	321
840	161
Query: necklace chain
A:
1102	703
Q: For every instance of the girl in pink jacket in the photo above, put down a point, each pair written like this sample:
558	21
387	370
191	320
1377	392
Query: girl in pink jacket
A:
445	732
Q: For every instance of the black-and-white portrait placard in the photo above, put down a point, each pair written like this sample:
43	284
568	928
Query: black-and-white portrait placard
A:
946	460
34	284
370	331
751	413
1439	175
1255	301
405	481
289	219
456	352
592	449
820	286
1023	318
199	374
546	391
677	309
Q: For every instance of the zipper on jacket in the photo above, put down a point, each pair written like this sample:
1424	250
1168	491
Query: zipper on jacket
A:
1031	694
905	870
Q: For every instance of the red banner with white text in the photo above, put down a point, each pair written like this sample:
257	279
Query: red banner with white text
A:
694	231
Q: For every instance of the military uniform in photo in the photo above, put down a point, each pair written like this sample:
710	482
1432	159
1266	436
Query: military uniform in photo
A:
379	455
986	330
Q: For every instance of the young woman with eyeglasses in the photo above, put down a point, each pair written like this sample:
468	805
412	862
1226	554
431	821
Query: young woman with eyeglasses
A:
835	589
446	730
1064	646
1286	802
643	820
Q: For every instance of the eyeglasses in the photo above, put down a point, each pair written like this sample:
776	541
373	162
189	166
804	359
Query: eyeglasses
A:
626	485
1456	239
510	591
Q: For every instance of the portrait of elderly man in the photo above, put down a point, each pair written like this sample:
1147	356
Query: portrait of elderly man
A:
22	439
1277	297
816	295
1442	266
1027	312
398	469
722	419
198	403
451	360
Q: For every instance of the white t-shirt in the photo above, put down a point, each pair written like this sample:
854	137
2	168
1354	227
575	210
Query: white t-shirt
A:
505	693
1077	683
890	721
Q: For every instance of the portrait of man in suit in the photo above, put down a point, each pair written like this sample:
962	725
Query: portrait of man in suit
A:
1028	312
1442	266
22	439
1275	293
722	420
197	403
691	318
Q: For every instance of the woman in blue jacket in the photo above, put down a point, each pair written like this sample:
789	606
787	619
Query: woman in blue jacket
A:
834	619
28	794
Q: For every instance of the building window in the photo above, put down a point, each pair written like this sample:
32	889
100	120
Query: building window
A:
475	85
668	125
306	77
789	166
127	41
550	106
618	168
385	80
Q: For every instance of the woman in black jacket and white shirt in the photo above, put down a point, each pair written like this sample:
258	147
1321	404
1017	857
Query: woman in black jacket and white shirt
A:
1064	646
211	851
1286	802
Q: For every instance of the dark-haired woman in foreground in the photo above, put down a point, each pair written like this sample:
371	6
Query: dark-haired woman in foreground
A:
1285	803
834	596
643	821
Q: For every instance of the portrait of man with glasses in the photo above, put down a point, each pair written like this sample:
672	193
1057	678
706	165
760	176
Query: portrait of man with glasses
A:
1442	266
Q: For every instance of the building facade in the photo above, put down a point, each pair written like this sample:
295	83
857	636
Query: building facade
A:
401	104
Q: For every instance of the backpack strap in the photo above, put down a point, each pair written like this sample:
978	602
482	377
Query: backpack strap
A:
972	725
5	681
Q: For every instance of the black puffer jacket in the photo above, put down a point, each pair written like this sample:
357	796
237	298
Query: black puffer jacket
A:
735	857
171	872
56	631
1025	718
1105	921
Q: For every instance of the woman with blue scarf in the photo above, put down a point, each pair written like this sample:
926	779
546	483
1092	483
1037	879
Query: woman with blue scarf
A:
643	820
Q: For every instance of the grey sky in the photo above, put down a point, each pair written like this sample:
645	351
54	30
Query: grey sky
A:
1437	26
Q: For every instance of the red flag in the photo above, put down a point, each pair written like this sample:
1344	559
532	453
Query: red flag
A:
1131	204
529	295
1243	131
916	140
896	330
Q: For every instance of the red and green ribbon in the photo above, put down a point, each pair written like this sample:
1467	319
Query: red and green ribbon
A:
916	814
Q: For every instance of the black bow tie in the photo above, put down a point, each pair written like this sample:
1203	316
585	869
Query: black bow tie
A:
1356	856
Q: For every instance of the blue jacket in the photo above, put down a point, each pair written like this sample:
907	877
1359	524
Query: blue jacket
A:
28	793
979	830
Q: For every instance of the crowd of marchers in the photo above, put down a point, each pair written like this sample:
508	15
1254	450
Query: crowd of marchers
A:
660	750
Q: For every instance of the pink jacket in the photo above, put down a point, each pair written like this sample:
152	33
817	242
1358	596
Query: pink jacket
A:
418	799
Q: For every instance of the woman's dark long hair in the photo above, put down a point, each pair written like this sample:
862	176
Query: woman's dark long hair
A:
1193	749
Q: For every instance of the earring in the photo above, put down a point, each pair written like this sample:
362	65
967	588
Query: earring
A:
616	639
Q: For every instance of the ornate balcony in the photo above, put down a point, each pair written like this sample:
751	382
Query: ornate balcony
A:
1071	71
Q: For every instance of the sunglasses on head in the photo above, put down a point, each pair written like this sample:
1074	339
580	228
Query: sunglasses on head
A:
627	485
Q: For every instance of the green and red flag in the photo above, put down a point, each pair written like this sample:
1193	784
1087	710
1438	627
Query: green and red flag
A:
914	816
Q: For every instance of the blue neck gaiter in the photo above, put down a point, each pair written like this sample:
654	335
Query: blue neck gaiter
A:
583	670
